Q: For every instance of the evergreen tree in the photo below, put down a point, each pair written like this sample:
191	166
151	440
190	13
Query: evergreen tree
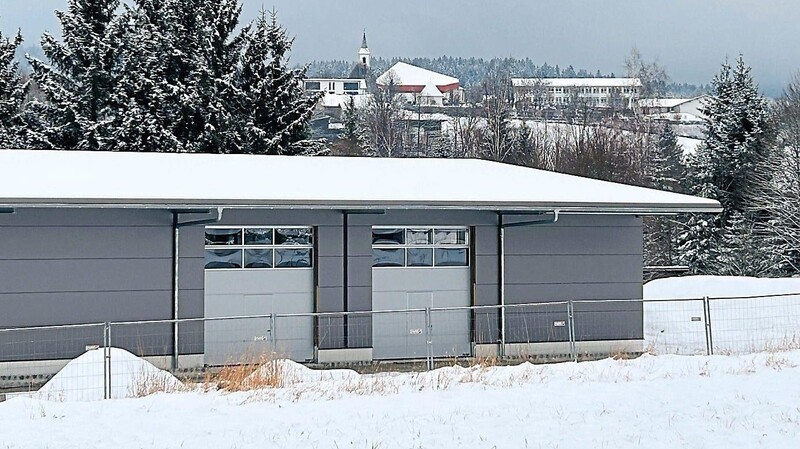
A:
352	139
664	170
148	93
280	109
727	163
78	82
13	91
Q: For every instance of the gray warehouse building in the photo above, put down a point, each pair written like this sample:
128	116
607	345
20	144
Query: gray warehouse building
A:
328	243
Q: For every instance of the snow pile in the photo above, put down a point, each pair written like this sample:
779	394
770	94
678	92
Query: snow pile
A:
82	379
738	324
287	372
655	402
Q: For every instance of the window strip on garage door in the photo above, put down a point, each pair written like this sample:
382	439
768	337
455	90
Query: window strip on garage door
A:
420	246
258	247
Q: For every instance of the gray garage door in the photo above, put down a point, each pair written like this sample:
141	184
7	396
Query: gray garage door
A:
255	272
416	268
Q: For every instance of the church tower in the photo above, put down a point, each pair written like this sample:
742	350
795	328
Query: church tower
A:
364	55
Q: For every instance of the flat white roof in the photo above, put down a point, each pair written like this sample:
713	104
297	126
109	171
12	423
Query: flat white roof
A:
663	102
578	82
173	180
411	75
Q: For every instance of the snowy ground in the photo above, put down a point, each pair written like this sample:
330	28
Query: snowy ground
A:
654	401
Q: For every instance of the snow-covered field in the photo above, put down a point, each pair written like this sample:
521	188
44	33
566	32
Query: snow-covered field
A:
655	401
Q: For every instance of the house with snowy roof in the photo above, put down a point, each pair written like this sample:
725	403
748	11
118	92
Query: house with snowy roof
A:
419	84
210	258
674	109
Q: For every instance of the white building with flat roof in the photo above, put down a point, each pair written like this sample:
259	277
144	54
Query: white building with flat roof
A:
595	92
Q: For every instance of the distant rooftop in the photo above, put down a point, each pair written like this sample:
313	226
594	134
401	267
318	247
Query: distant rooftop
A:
577	82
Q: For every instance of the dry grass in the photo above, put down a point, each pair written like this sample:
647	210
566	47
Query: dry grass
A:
250	373
146	384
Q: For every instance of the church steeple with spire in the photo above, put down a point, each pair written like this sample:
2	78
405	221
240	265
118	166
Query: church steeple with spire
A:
364	55
363	66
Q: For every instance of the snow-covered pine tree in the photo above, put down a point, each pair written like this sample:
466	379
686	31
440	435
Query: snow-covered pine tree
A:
664	170
206	51
79	78
279	110
352	139
146	99
13	91
726	164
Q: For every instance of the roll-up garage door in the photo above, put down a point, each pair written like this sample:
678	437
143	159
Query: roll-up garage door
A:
253	272
415	268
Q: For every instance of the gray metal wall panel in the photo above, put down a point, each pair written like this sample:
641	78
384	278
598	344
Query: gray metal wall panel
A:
486	240
81	242
43	309
428	217
64	266
87	217
582	240
526	293
330	271
487	270
583	220
280	217
359	239
579	257
565	269
192	241
92	275
329	241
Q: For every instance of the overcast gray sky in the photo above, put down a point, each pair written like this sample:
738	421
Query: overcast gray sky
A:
690	37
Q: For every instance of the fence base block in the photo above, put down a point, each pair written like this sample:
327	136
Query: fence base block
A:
561	350
348	355
487	351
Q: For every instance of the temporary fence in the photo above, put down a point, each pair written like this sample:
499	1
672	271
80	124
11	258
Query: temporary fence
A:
99	357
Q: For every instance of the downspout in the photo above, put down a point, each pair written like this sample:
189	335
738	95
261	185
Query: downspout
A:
501	252
176	226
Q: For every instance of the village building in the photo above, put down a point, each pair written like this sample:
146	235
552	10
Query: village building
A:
419	85
620	93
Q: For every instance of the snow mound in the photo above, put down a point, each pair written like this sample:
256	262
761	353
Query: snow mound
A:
738	324
287	372
82	379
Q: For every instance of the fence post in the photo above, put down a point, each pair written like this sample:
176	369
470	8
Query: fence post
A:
428	339
106	360
707	316
273	338
571	330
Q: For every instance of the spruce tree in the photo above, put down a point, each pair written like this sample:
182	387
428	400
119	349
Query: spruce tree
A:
13	91
664	170
79	78
727	163
279	110
352	139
